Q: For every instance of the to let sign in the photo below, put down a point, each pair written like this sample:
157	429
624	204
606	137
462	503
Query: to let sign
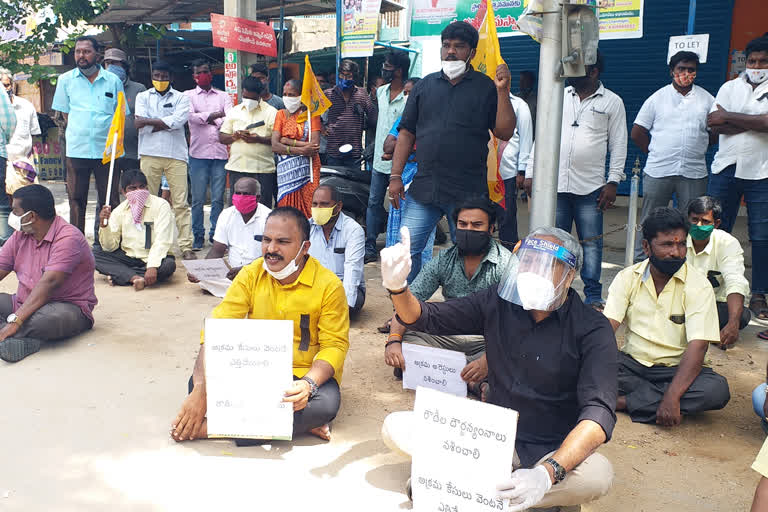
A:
244	35
697	43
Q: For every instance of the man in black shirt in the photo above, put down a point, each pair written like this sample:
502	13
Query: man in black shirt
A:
448	116
550	357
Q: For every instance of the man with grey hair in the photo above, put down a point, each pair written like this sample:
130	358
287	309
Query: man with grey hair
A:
550	357
7	127
20	143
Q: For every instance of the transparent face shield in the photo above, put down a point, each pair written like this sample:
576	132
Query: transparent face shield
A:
538	275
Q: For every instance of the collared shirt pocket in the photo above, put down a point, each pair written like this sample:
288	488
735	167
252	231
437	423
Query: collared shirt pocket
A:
306	337
338	259
598	120
107	103
678	319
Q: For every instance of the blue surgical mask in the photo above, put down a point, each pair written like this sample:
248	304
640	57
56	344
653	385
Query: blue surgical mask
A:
345	84
119	71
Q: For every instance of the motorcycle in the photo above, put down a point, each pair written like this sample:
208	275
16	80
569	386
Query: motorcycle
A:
353	184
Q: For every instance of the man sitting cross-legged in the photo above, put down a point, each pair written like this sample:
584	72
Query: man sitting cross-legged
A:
669	309
286	284
136	241
473	264
54	266
239	228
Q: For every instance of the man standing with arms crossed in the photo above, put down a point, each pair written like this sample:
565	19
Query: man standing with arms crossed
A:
448	116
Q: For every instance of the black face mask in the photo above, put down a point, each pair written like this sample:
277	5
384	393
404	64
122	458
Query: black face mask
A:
667	266
472	242
387	74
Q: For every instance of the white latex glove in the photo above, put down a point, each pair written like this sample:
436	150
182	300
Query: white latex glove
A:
526	488
396	262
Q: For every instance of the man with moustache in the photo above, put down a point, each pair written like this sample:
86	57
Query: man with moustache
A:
87	98
286	284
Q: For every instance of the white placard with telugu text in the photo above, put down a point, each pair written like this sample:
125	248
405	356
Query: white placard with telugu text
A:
212	275
463	449
248	368
434	368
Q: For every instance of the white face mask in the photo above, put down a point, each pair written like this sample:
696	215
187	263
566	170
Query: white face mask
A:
250	104
757	76
535	291
454	68
292	103
286	271
15	221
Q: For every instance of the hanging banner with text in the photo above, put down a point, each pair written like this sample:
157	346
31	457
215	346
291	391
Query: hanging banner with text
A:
230	74
244	35
358	27
462	450
248	368
622	20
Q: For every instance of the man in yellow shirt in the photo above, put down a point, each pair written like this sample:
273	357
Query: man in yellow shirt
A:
669	310
286	284
135	243
248	128
719	255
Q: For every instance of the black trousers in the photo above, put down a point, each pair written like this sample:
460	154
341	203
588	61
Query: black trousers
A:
722	315
644	388
122	267
508	220
359	302
79	172
320	410
268	182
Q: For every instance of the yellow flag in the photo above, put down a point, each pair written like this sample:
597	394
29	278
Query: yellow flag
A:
117	128
487	58
312	94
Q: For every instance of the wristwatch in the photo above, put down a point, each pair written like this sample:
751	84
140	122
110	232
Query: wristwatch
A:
14	319
312	386
558	470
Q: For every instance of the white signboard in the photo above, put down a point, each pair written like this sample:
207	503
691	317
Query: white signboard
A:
698	44
248	368
463	449
211	273
434	368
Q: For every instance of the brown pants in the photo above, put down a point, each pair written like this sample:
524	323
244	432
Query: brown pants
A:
78	181
53	321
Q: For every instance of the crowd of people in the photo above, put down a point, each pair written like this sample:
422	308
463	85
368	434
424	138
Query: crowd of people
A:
532	343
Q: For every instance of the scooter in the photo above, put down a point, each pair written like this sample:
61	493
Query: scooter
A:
353	183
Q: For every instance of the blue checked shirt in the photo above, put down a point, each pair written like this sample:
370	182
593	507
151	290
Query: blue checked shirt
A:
7	123
90	107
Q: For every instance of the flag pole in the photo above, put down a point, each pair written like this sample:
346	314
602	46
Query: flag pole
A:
111	169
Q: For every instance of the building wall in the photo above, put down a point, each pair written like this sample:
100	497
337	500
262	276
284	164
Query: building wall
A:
635	68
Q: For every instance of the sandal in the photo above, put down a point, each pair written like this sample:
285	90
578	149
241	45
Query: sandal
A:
763	335
384	329
759	307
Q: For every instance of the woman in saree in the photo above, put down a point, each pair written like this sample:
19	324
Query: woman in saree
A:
296	141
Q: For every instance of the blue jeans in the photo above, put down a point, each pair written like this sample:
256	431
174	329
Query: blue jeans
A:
729	189
5	207
375	215
589	222
201	173
758	403
421	219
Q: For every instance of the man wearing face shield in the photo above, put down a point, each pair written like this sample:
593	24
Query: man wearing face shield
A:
286	284
550	357
54	267
668	307
338	243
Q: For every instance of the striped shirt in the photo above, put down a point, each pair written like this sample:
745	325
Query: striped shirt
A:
345	120
7	123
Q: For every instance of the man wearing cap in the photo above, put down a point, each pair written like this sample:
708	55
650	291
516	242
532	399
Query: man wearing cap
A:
550	357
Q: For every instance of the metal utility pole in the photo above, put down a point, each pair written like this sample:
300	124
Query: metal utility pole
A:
549	115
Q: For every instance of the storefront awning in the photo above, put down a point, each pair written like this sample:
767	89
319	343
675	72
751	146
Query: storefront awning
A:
175	11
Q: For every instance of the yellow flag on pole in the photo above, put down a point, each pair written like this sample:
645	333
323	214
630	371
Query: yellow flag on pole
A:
312	94
116	128
487	58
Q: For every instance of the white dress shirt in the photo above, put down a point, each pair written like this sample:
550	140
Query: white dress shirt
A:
723	254
678	128
514	158
343	253
243	239
748	150
173	109
20	144
600	126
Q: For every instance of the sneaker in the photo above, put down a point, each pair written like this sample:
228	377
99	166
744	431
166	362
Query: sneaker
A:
13	350
370	257
198	244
